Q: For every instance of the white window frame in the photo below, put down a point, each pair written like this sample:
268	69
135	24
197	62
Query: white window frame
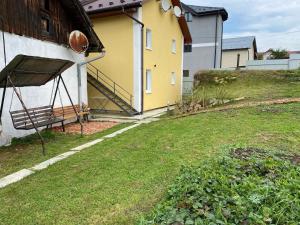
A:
174	47
149	39
173	78
148	81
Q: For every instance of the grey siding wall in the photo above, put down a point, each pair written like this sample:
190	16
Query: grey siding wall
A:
205	54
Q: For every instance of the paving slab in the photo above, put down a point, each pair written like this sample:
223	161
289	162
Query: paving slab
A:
53	160
121	131
87	145
15	177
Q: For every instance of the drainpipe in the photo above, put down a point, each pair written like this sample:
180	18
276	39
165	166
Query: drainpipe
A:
79	65
221	60
216	39
142	56
3	39
4	89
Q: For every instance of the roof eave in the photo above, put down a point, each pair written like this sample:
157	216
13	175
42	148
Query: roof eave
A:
116	8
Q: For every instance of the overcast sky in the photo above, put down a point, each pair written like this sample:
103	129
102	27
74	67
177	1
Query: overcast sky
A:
275	23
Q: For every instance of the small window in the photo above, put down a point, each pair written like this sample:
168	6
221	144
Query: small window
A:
188	48
148	81
188	17
186	73
148	39
173	78
173	46
45	24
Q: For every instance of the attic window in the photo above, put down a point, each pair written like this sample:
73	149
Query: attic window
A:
45	17
45	25
188	17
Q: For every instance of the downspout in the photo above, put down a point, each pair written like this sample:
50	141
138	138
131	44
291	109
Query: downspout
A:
3	39
221	60
79	65
142	56
216	38
4	54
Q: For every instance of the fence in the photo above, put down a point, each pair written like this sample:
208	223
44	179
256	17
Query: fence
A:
275	64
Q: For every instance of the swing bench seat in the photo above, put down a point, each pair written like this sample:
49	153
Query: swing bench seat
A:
41	117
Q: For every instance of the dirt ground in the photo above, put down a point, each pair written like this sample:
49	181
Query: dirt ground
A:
88	127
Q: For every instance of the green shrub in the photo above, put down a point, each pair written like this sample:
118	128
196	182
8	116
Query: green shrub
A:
255	188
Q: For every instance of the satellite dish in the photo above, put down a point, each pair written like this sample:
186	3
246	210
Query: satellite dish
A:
177	11
78	41
165	5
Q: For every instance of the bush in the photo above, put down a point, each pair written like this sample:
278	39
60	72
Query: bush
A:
243	188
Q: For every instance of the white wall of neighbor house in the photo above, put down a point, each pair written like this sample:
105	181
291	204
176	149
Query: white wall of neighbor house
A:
229	58
37	96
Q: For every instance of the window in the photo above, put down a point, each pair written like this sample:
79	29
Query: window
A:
148	81
45	17
173	46
148	39
188	48
45	23
173	78
188	17
186	73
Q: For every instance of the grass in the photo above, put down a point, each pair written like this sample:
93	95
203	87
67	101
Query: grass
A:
246	186
251	85
121	179
26	152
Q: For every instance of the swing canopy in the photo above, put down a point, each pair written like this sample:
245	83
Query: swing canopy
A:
32	71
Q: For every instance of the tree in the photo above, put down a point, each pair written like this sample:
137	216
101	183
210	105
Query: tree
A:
279	54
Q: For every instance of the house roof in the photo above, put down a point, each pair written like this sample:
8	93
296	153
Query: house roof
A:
239	43
205	10
95	7
84	24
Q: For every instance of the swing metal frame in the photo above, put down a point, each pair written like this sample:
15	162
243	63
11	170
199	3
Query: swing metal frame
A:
29	113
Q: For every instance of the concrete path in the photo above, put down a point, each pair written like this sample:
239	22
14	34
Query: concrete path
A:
17	176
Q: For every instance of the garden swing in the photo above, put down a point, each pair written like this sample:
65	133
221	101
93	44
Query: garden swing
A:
25	71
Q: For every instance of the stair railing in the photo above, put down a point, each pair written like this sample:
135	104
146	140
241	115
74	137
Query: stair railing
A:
110	84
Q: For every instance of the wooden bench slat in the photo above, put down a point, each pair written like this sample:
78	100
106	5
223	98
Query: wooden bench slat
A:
41	124
41	116
32	109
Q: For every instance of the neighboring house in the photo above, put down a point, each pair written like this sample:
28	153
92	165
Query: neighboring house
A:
142	69
41	28
237	51
267	54
206	27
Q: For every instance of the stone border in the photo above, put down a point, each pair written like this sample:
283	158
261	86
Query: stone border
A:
17	176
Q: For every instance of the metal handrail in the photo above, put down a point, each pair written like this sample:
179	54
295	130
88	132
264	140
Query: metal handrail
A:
110	84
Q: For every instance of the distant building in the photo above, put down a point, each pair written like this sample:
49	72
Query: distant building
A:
267	54
239	49
206	27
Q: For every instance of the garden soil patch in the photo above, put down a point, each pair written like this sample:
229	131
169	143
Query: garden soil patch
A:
88	127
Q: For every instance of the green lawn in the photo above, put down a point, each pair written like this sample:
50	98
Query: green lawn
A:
251	85
26	152
121	179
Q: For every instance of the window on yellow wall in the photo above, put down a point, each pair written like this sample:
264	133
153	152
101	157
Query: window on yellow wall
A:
173	46
148	81
173	78
148	39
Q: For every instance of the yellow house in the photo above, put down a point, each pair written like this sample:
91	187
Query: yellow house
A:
144	42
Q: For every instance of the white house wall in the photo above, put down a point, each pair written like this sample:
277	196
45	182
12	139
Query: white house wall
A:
37	96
